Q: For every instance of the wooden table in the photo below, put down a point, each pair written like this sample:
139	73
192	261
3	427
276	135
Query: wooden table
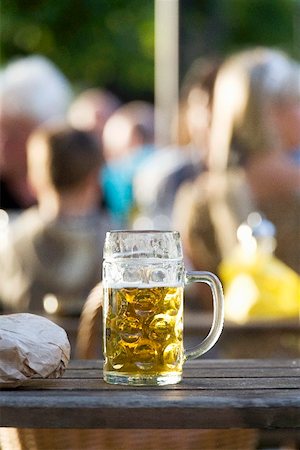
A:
259	394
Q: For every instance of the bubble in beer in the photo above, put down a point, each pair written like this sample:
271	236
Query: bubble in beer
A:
179	329
129	329
173	355
161	327
127	295
173	300
146	300
120	305
145	354
117	354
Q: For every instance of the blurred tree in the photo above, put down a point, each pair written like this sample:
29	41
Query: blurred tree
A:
111	42
219	27
95	42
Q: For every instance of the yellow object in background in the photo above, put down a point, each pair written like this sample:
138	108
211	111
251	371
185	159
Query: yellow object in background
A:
257	285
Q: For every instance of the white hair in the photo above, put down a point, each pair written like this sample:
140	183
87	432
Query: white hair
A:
248	85
276	75
34	87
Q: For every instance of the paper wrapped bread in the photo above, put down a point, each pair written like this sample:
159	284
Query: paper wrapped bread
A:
31	345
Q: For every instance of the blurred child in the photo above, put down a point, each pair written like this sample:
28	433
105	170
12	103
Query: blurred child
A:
91	109
128	139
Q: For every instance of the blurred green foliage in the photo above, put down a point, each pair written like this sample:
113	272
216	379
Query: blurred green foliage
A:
111	42
94	42
210	27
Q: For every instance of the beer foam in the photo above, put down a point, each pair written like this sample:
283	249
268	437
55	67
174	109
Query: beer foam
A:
139	285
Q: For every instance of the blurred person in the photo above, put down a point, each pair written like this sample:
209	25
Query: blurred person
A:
128	140
53	254
159	178
255	127
91	109
32	91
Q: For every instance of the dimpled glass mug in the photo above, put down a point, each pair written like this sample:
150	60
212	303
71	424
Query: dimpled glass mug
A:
143	280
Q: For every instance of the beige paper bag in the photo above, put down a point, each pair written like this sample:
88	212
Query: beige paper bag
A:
31	345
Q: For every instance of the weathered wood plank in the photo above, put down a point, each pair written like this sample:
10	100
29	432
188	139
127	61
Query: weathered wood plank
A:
194	384
125	397
194	372
207	363
123	410
213	394
154	418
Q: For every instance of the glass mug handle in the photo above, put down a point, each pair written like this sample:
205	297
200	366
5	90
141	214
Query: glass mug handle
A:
218	311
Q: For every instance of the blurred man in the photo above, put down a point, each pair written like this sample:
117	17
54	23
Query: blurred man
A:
32	91
53	254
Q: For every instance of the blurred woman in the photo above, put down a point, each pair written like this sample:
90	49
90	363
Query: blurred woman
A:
255	135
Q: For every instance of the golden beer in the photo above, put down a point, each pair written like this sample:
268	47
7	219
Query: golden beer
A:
143	334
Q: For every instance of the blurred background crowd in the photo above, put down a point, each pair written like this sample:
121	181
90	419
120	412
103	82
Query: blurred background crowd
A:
80	155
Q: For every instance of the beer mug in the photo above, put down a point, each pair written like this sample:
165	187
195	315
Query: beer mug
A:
143	281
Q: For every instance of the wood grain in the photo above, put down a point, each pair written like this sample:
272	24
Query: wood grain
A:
213	394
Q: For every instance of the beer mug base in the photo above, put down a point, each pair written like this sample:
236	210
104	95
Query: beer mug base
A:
142	380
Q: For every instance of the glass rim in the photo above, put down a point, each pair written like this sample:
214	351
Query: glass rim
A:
142	244
143	232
